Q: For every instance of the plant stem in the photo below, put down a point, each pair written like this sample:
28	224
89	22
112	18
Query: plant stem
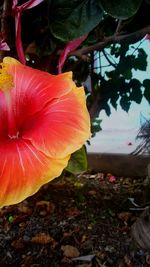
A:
7	10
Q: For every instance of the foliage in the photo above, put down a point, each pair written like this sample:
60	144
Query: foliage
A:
78	161
144	136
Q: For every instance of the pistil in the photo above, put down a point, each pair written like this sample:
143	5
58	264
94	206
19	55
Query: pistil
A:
6	85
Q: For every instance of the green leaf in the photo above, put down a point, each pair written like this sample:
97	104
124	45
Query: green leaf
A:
107	109
125	103
96	126
121	9
113	99
146	84
136	92
78	161
74	18
140	62
125	66
127	74
46	44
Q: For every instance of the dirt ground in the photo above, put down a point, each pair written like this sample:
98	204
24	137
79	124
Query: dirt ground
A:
82	221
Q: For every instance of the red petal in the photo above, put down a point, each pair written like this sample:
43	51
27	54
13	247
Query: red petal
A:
62	127
23	170
34	89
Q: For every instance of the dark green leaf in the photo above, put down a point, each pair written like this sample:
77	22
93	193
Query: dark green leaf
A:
114	99
107	109
146	84
140	63
110	74
121	9
96	126
78	162
74	18
46	44
136	92
127	74
125	103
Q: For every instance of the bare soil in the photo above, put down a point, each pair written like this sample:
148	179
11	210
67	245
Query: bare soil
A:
76	221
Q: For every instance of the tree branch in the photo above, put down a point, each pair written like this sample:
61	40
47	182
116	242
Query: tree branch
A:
131	37
7	9
108	59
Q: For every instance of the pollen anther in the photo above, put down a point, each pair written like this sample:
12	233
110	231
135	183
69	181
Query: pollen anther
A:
6	80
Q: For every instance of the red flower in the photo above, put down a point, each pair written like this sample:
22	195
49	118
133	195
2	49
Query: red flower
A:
43	119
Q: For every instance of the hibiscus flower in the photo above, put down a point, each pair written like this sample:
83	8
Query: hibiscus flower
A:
43	120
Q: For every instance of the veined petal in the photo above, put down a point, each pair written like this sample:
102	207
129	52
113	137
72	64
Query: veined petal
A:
43	119
61	127
33	88
24	169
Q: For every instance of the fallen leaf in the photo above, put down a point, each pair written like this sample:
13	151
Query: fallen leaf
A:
23	208
84	238
70	251
18	244
92	192
128	261
45	205
125	216
43	238
148	259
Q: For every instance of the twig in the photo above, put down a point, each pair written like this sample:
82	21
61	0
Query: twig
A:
108	59
138	46
131	37
7	9
119	27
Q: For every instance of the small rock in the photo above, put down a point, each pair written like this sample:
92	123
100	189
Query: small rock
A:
70	251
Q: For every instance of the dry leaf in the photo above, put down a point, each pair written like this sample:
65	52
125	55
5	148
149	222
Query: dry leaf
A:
70	251
18	244
92	192
125	216
46	205
23	208
148	259
43	238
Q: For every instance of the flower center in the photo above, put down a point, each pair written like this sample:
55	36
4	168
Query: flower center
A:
6	85
14	136
6	80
